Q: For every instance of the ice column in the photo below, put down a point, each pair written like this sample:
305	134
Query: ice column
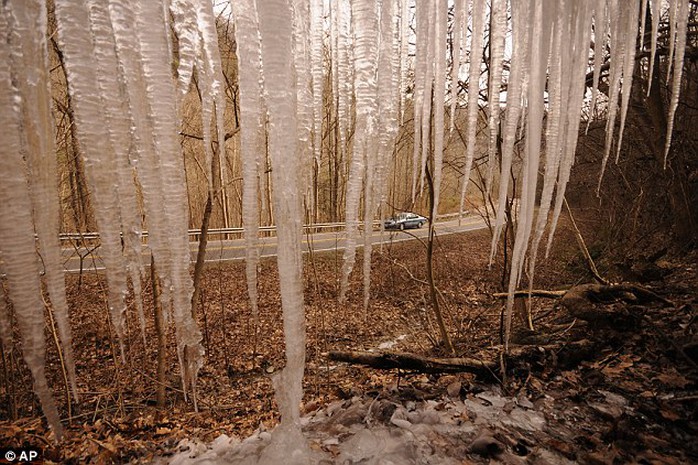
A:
276	32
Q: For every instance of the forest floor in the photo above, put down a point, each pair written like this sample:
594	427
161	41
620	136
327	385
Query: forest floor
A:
627	393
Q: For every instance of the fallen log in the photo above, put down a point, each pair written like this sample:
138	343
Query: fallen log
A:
600	293
413	362
564	355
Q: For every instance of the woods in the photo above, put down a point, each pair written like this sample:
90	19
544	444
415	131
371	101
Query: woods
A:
543	118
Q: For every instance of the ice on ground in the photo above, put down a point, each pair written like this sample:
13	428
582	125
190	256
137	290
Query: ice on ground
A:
384	431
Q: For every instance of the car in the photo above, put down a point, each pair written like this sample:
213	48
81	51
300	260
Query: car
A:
405	220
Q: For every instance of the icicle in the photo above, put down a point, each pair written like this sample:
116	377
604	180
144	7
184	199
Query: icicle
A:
458	15
378	161
17	246
476	42
419	95
316	63
656	5
31	60
252	136
519	59
673	11
643	17
303	74
117	117
628	66
600	41
365	64
80	51
540	40
184	25
681	32
427	102
276	33
573	114
168	223
404	55
212	72
617	52
440	38
498	18
558	90
142	154
344	72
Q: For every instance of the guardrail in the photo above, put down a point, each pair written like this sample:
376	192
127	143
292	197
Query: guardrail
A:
236	231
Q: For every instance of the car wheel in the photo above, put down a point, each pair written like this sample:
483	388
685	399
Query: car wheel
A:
420	224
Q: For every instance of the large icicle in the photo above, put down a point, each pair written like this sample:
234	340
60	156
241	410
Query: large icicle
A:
429	9
80	53
195	26
440	33
17	247
656	5
419	94
617	42
519	69
251	136
30	58
303	76
476	41
116	113
365	63
573	113
459	14
164	168
600	41
558	91
681	32
378	162
540	40
498	20
404	55
276	33
628	66
142	153
316	64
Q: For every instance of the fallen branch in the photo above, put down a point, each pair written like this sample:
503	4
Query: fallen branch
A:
628	292
532	293
412	362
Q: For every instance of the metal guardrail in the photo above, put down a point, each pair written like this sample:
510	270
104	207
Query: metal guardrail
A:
232	231
214	231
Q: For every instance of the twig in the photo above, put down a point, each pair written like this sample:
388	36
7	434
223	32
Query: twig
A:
583	246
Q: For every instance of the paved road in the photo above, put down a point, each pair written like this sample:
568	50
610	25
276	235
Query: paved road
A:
228	250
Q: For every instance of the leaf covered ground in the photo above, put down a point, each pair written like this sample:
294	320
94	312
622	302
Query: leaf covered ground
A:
629	397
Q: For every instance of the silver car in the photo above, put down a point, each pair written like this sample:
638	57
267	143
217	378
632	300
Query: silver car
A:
405	221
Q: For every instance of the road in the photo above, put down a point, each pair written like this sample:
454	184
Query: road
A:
229	250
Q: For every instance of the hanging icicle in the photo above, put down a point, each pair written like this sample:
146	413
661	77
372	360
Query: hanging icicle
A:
276	29
476	43
19	21
252	137
498	20
365	24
